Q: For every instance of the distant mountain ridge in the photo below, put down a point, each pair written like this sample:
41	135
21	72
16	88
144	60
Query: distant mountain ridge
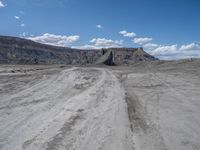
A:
14	50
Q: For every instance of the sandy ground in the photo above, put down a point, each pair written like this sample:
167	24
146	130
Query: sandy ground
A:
148	106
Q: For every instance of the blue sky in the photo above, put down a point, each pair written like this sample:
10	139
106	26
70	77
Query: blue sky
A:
168	29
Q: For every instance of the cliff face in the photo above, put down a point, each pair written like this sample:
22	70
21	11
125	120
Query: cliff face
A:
130	55
21	51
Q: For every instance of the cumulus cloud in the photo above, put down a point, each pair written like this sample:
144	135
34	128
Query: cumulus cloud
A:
56	40
127	34
141	40
99	26
106	43
162	51
2	5
98	43
165	50
17	17
87	46
150	46
192	46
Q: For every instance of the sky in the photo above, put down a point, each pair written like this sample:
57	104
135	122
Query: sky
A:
167	29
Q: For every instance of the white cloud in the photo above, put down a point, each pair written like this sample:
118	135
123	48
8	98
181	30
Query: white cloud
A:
56	40
164	50
24	34
142	41
180	55
22	25
106	43
17	17
2	5
87	46
127	34
98	43
173	51
168	52
99	26
192	46
150	46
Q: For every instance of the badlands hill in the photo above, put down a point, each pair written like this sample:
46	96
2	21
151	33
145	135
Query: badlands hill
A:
14	50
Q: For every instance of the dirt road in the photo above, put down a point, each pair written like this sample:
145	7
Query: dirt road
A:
74	109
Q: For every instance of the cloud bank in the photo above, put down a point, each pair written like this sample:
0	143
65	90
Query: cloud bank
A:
102	42
191	50
98	43
162	51
191	46
56	40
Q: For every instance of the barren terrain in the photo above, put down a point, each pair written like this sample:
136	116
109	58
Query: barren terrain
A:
146	106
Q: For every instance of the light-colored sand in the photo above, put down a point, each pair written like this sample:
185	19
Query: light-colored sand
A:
141	107
76	108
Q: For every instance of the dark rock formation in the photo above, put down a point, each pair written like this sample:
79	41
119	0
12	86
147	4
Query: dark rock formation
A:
22	51
120	56
110	60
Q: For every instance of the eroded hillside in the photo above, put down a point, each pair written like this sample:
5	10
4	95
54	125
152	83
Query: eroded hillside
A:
22	51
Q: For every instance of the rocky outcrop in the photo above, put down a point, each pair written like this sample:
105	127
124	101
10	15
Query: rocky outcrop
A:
106	58
120	56
22	51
